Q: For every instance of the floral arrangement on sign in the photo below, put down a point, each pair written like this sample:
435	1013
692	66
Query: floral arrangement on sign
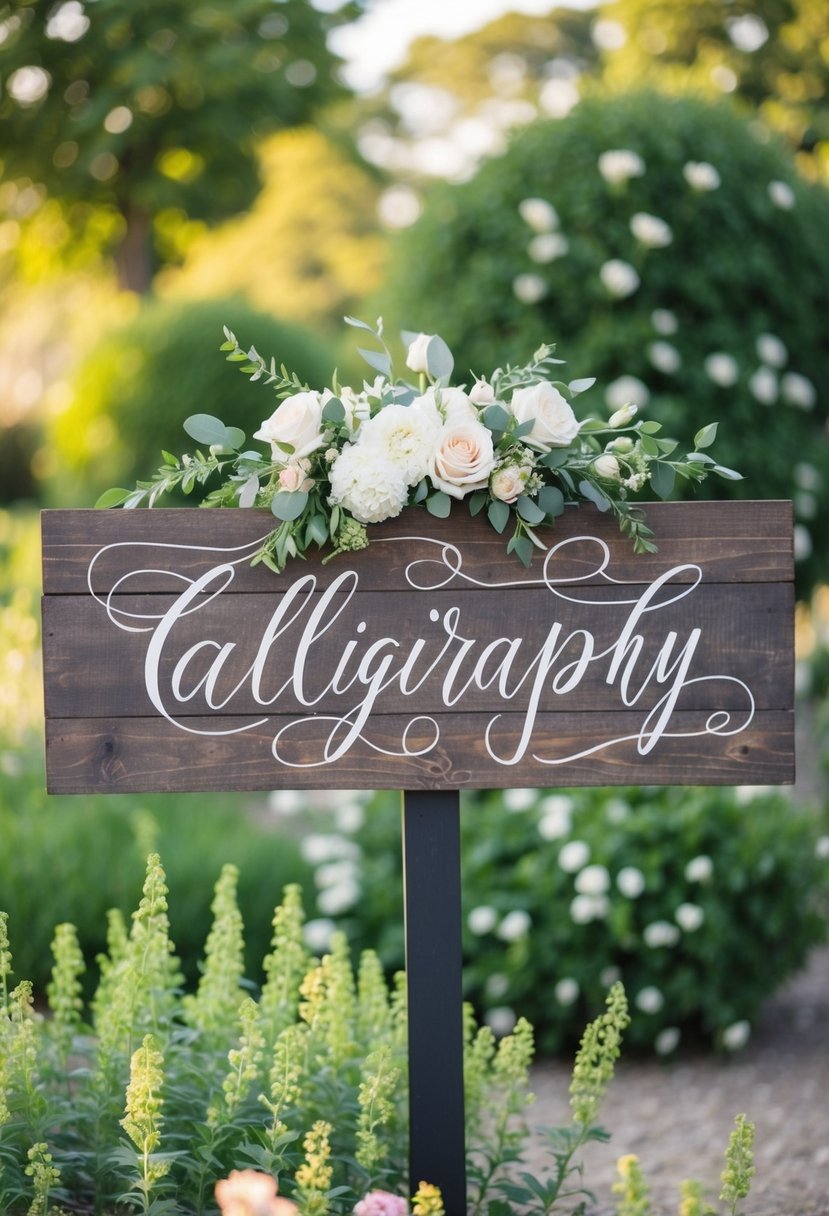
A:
342	458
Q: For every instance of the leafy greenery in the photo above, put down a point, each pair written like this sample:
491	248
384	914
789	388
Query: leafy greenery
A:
701	900
123	108
150	1104
131	395
750	232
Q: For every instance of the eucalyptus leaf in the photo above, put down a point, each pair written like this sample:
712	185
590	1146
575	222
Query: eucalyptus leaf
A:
356	323
580	386
421	491
728	474
522	547
204	428
594	494
317	530
289	505
477	501
235	438
649	428
529	511
378	359
439	359
555	458
248	492
333	411
551	500
662	478
496	418
498	514
439	504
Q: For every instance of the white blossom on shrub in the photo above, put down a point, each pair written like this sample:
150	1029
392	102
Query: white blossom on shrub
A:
515	925
548	246
482	919
649	999
782	195
699	869
529	288
664	356
763	385
625	389
593	880
664	321
618	278
619	164
566	991
736	1035
771	350
573	856
667	1040
689	917
700	175
722	368
538	214
798	390
586	908
651	230
501	1020
631	882
660	933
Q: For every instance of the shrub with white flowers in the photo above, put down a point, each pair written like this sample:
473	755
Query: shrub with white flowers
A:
672	247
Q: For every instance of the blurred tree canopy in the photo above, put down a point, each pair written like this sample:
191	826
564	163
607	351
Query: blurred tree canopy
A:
310	247
771	54
153	111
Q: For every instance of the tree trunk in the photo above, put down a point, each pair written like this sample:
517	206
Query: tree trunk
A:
133	257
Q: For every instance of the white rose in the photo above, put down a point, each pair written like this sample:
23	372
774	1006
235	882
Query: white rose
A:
368	484
416	356
463	459
506	484
297	421
554	423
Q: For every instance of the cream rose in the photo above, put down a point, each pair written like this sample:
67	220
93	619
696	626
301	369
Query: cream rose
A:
607	467
506	484
297	421
482	393
554	423
463	459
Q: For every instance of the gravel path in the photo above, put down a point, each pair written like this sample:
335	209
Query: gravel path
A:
677	1117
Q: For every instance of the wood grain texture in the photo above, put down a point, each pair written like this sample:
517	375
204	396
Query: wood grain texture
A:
597	668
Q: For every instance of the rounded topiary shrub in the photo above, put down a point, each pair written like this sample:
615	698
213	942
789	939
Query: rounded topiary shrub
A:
671	249
702	901
132	393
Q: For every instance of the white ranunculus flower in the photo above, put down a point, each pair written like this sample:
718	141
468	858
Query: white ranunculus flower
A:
618	164
631	882
368	484
619	278
538	214
296	421
463	458
416	358
406	434
700	175
650	230
722	368
554	423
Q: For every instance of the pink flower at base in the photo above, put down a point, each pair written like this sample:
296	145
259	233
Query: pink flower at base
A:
381	1203
252	1193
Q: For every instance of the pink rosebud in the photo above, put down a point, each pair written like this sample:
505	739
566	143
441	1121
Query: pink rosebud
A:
293	478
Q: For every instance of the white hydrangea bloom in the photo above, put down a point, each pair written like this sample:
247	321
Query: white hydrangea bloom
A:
538	214
496	986
548	246
764	386
501	1020
798	390
317	934
339	898
482	919
665	357
529	288
700	175
631	882
660	933
664	321
699	869
771	350
566	991
625	389
593	880
618	278
574	856
368	484
519	800
586	908
689	917
619	164
405	435
649	999
722	368
651	230
515	925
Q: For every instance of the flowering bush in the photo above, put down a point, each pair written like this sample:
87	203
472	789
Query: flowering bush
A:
290	1105
510	444
701	900
681	260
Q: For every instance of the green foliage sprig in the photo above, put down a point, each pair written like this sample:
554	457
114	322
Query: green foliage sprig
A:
341	459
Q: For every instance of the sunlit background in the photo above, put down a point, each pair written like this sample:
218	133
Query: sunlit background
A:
644	182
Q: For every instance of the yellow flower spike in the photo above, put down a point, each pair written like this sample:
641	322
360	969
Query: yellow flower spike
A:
427	1201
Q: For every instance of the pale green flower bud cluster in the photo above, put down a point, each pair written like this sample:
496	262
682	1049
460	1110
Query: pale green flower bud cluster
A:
143	1119
376	1108
45	1176
64	991
214	1008
631	1188
739	1164
596	1057
313	1178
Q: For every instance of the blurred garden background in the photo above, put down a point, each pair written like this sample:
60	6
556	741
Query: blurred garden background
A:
644	183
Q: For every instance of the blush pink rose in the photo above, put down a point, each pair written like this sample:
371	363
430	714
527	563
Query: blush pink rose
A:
463	458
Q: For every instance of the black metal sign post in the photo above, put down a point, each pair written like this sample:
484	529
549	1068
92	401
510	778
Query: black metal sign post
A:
432	897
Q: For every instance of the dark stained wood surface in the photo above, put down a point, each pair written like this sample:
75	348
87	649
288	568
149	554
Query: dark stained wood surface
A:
105	733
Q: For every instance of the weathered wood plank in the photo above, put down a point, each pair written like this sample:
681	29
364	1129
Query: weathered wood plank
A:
142	754
735	542
90	662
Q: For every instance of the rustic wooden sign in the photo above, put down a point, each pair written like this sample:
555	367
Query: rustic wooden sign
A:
431	660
